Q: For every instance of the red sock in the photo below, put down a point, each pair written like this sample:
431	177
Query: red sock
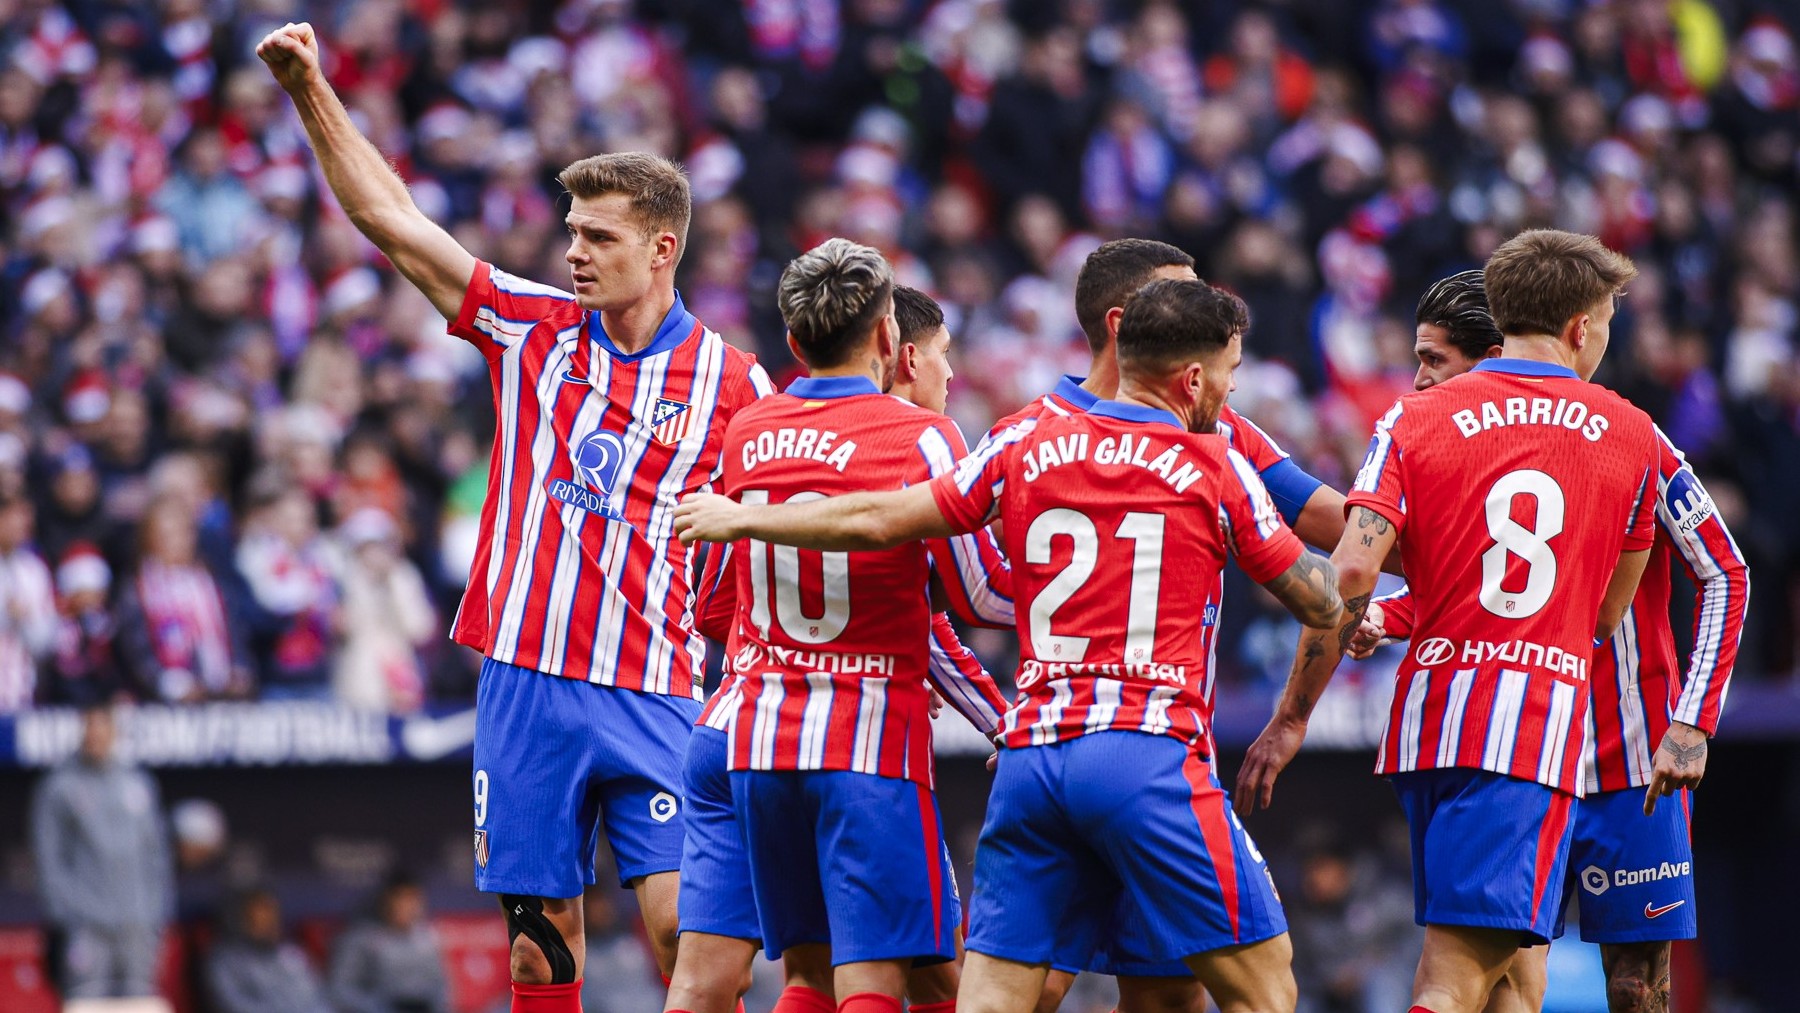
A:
546	998
1420	1009
800	999
947	1006
870	1002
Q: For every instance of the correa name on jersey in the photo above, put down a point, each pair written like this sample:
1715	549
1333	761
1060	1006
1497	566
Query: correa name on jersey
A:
578	572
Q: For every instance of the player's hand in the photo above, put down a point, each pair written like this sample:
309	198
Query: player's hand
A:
292	53
706	517
1370	634
993	762
937	704
1680	762
1269	755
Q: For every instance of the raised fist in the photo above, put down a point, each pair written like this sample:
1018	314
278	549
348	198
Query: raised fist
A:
292	53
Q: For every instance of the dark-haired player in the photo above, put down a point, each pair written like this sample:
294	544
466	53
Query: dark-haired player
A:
1521	497
830	745
1106	786
719	926
612	401
1649	723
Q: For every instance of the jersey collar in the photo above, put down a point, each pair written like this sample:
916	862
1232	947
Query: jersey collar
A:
819	388
1069	389
1135	413
1524	367
677	324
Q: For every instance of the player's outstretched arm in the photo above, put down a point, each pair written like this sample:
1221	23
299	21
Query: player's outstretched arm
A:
1619	592
1309	589
1366	542
1321	524
858	522
365	185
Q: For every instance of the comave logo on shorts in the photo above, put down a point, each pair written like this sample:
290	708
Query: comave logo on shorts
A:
663	807
1596	881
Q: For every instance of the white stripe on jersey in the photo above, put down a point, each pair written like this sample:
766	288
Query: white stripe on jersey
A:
814	721
1450	735
1412	719
1266	438
1590	754
560	603
1503	723
509	453
1381	447
1156	710
970	468
1628	664
615	614
1562	708
865	754
1043	731
1268	519
544	447
988	604
765	723
1108	693
729	694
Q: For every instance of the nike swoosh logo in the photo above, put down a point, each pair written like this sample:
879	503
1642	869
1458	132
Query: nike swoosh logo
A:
569	376
435	738
1658	912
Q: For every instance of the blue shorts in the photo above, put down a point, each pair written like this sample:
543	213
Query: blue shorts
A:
715	871
554	759
1083	830
1488	850
853	860
1636	872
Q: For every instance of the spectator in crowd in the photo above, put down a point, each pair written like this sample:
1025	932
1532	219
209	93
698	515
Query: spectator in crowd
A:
256	969
27	604
391	963
178	638
83	669
1354	939
104	871
282	558
388	617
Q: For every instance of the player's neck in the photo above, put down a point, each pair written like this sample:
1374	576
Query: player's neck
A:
864	363
1539	348
633	328
1103	377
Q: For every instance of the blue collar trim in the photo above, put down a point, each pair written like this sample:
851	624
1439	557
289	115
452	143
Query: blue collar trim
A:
823	387
1069	389
1524	367
1136	413
675	328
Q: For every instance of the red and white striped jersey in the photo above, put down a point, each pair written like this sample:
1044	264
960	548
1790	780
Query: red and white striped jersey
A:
1637	685
834	647
954	671
1070	398
1097	508
578	572
1514	487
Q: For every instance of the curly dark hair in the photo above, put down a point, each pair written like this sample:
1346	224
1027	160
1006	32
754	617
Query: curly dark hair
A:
1459	305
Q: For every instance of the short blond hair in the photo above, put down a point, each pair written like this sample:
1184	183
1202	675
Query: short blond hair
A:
1539	280
658	188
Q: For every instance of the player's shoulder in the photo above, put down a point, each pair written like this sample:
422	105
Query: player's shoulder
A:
547	298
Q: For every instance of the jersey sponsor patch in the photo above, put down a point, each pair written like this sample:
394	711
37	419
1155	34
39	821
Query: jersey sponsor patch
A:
481	848
1688	502
670	421
597	459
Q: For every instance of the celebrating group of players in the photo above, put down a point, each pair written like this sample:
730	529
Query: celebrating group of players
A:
795	811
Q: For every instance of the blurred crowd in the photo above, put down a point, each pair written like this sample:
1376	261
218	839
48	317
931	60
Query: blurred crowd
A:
240	458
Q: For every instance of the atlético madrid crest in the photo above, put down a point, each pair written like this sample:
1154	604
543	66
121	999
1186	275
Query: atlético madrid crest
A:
481	848
670	421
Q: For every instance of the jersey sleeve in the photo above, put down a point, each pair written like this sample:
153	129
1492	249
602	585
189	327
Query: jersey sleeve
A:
1262	544
1688	517
1397	613
969	495
958	676
500	309
970	565
1380	484
1289	484
1640	530
717	592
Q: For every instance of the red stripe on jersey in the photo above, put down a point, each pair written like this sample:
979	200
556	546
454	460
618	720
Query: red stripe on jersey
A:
932	853
577	572
1115	646
1515	488
1550	834
1208	804
1247	438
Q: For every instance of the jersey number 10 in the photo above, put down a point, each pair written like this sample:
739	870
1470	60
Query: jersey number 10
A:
788	610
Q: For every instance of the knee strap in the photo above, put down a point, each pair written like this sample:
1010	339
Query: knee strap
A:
525	916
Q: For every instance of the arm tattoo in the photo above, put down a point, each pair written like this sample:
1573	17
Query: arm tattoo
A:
1684	755
1366	518
1308	588
1354	607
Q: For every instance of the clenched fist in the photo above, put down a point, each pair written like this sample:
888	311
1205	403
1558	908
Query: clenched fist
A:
292	53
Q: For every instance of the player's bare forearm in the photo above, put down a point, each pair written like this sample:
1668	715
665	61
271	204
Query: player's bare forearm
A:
1321	524
1309	589
1679	762
365	185
1367	540
1619	592
857	522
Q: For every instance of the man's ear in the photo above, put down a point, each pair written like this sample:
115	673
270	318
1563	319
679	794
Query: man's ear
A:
668	250
886	339
1112	323
1575	332
906	364
1494	352
795	350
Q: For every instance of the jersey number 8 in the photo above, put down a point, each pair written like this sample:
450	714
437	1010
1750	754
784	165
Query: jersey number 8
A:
1514	539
